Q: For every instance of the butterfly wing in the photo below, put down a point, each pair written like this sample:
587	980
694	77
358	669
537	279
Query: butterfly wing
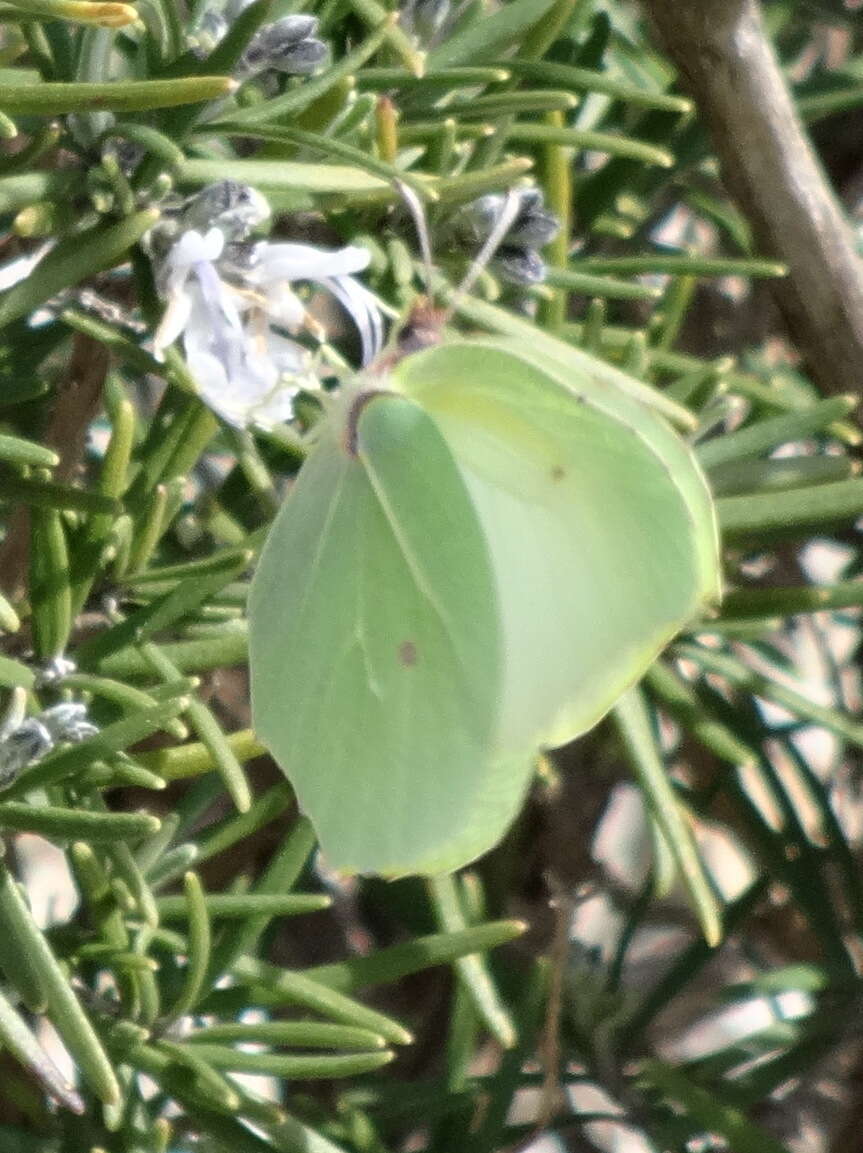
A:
376	652
596	515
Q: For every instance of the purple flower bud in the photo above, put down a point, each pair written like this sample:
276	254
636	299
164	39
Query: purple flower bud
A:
209	30
425	18
521	266
234	208
300	59
533	227
288	45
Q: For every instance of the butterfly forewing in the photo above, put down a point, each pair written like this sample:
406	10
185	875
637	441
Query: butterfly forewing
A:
375	642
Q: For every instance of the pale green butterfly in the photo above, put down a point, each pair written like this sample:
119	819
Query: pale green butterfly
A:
484	550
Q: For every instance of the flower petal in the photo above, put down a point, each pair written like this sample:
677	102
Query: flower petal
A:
173	322
356	299
193	247
304	262
284	307
289	357
17	270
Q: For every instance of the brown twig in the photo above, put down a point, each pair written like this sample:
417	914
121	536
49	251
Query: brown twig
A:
553	1096
76	404
725	58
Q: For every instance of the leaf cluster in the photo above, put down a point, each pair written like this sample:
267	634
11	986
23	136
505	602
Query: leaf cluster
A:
132	518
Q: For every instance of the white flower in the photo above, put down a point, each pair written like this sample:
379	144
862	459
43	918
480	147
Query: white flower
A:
228	308
275	266
237	362
17	270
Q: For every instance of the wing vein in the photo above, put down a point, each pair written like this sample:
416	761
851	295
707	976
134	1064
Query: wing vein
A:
412	563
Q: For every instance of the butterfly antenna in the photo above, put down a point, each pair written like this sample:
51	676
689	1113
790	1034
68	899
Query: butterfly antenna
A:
418	215
510	210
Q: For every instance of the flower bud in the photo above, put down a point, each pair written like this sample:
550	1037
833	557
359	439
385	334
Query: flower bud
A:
28	743
534	226
288	46
425	18
234	208
209	30
522	266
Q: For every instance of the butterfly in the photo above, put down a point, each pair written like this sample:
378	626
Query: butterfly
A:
491	541
488	544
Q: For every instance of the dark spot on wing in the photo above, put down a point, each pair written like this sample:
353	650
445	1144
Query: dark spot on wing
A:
408	654
558	472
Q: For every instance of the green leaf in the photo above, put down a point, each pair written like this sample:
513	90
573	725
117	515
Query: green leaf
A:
277	175
304	1034
44	494
163	612
764	435
636	730
73	260
50	594
690	264
22	1044
113	476
818	105
191	656
752	476
198	953
792	512
590	80
611	145
707	1112
472	970
240	907
607	287
682	703
496	104
61	824
383	79
129	96
485	40
397	961
282	873
375	15
25	188
762	685
298	1068
207	728
103	13
746	603
65	1011
15	450
329	145
265	808
14	674
282	987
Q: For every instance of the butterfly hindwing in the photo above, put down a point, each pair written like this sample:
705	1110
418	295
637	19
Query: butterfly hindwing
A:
597	518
